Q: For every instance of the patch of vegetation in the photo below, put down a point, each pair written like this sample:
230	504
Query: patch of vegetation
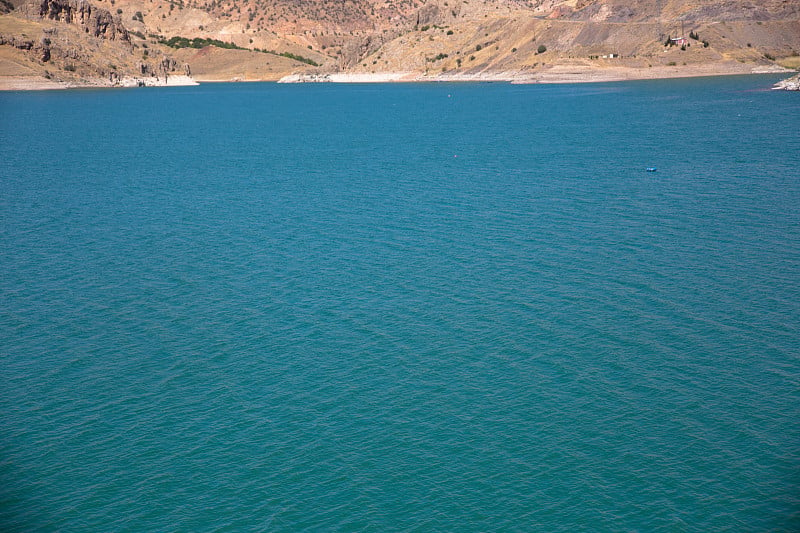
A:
69	67
478	48
769	56
671	64
296	57
449	32
542	49
438	57
138	16
198	42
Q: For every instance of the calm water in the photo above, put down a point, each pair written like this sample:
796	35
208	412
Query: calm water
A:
401	307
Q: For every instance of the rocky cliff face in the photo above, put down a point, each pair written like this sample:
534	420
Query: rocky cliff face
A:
95	21
40	48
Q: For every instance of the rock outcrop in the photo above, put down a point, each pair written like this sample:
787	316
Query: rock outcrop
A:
95	21
166	67
790	84
428	14
20	43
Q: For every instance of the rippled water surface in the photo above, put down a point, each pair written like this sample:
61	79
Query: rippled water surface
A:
401	307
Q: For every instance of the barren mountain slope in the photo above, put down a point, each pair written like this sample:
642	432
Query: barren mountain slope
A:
267	39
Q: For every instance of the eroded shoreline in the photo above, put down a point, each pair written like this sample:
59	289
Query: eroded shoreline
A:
553	75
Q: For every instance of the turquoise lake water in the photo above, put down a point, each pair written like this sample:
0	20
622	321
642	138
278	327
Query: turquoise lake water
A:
260	307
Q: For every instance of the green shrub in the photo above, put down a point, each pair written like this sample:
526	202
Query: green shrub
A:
296	57
542	49
198	42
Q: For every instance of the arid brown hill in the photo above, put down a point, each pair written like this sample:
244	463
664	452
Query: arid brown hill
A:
443	39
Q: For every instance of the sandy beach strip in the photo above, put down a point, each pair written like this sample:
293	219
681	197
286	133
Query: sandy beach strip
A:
39	83
29	83
355	77
554	74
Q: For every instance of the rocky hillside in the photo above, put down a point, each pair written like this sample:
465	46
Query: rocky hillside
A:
446	39
73	42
